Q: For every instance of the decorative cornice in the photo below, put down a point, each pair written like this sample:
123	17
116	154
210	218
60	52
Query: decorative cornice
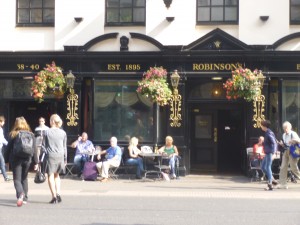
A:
147	39
90	43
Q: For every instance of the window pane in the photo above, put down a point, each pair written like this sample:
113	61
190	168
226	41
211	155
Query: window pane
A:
112	15
217	14
295	14
274	109
230	14
139	3
15	89
138	15
126	15
23	3
36	16
230	2
36	4
295	2
203	2
291	103
203	14
49	3
216	2
112	3
23	16
48	16
126	3
119	111
37	11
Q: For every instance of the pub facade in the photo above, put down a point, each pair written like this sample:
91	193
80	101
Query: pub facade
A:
214	131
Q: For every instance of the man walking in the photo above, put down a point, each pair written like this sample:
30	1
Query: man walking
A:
288	138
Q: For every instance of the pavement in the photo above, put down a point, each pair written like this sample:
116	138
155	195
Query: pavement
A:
204	186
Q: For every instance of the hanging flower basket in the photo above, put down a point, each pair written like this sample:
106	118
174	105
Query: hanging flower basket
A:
154	85
242	84
50	80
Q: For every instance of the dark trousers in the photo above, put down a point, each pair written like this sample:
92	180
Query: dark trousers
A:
20	168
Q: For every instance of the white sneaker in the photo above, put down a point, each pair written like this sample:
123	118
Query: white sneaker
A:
173	176
280	186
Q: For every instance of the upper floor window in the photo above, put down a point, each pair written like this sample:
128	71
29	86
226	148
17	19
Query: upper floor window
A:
35	12
294	11
125	12
217	11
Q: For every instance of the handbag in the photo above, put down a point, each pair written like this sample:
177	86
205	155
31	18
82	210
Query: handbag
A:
295	150
39	176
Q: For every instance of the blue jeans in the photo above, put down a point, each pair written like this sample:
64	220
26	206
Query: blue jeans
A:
2	164
171	161
79	161
139	165
266	167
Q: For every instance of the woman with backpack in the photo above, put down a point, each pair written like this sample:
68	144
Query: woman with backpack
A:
21	148
55	147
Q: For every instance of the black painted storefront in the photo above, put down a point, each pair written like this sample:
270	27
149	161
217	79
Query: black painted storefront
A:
231	127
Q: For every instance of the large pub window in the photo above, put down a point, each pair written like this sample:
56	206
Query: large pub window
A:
120	111
291	103
31	13
294	11
125	12
217	12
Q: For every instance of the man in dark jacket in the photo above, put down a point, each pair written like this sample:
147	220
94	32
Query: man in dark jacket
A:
269	148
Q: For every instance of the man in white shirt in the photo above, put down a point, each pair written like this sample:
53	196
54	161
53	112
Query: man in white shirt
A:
289	137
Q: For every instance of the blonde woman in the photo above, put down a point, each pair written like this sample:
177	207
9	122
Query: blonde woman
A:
20	165
171	151
131	157
55	146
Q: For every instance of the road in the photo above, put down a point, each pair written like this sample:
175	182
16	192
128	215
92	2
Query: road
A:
226	200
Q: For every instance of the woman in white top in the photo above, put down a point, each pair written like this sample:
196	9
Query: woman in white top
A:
131	157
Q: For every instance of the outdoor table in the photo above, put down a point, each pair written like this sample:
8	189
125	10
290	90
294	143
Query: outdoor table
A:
145	156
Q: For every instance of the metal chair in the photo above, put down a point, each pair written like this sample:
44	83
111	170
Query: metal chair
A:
163	166
112	171
254	164
69	168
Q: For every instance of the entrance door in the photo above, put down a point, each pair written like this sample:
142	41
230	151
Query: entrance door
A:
204	136
216	138
31	111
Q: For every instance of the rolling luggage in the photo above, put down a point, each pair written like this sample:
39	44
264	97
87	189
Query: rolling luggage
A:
90	171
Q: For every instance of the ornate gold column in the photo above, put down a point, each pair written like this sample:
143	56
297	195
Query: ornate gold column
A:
175	102
72	100
259	101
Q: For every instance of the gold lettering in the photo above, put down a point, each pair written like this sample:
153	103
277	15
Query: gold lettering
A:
132	67
20	66
113	67
207	67
196	66
219	66
216	67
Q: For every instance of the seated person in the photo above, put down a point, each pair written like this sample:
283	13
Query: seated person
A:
83	147
258	150
257	157
112	159
131	157
171	152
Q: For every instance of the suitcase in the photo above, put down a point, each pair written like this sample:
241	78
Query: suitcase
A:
90	171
